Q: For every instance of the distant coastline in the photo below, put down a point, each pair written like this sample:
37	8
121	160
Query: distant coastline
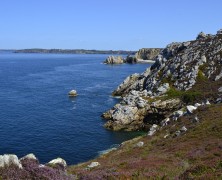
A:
73	51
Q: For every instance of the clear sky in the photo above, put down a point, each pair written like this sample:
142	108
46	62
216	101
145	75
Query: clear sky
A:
105	24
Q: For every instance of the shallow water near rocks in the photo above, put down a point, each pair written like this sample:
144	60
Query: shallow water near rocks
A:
37	116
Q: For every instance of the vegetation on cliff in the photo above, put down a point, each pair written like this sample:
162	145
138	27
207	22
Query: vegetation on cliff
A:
196	153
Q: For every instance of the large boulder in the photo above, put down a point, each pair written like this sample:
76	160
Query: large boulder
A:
72	93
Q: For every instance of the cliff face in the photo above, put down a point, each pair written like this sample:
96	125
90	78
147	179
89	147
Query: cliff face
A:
148	53
183	73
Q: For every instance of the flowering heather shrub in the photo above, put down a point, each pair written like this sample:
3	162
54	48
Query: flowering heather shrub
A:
31	170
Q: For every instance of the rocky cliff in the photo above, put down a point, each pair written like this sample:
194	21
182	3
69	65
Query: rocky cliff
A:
114	60
148	53
183	74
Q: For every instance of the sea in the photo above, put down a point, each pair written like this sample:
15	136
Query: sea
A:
37	115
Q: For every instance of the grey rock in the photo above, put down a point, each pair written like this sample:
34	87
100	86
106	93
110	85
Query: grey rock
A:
201	35
218	76
196	119
126	85
203	59
197	104
219	31
177	133
220	90
152	130
165	122
148	53
140	144
141	103
218	100
164	88
178	113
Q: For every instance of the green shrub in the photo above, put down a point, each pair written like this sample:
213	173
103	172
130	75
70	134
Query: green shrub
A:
189	97
185	96
201	76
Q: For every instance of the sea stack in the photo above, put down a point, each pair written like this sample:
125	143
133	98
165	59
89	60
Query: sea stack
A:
72	93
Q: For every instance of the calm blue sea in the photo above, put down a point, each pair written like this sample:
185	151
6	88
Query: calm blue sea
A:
37	116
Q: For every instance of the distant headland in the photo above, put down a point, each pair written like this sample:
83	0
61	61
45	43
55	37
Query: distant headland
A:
73	51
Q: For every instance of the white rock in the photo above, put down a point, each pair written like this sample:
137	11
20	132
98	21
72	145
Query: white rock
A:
165	122
190	108
9	159
58	161
178	113
166	136
219	31
29	156
220	89
203	59
140	144
152	130
197	105
218	76
41	165
183	129
141	104
177	133
207	102
93	164
73	93
164	88
196	119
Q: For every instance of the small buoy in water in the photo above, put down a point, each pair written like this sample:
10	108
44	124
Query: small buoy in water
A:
72	93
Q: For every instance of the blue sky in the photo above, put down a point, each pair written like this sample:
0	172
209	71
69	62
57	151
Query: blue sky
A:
103	24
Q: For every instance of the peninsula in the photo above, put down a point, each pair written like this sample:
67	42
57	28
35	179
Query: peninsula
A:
74	51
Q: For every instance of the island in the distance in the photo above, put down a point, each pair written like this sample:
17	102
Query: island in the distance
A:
73	51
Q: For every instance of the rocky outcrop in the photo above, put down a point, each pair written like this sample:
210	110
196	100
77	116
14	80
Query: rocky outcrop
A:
29	156
72	93
114	60
59	161
148	53
177	68
28	167
7	160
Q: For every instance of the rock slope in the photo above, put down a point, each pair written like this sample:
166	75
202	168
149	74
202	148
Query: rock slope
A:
178	77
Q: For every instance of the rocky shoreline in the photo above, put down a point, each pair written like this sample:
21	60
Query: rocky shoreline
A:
177	101
168	85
